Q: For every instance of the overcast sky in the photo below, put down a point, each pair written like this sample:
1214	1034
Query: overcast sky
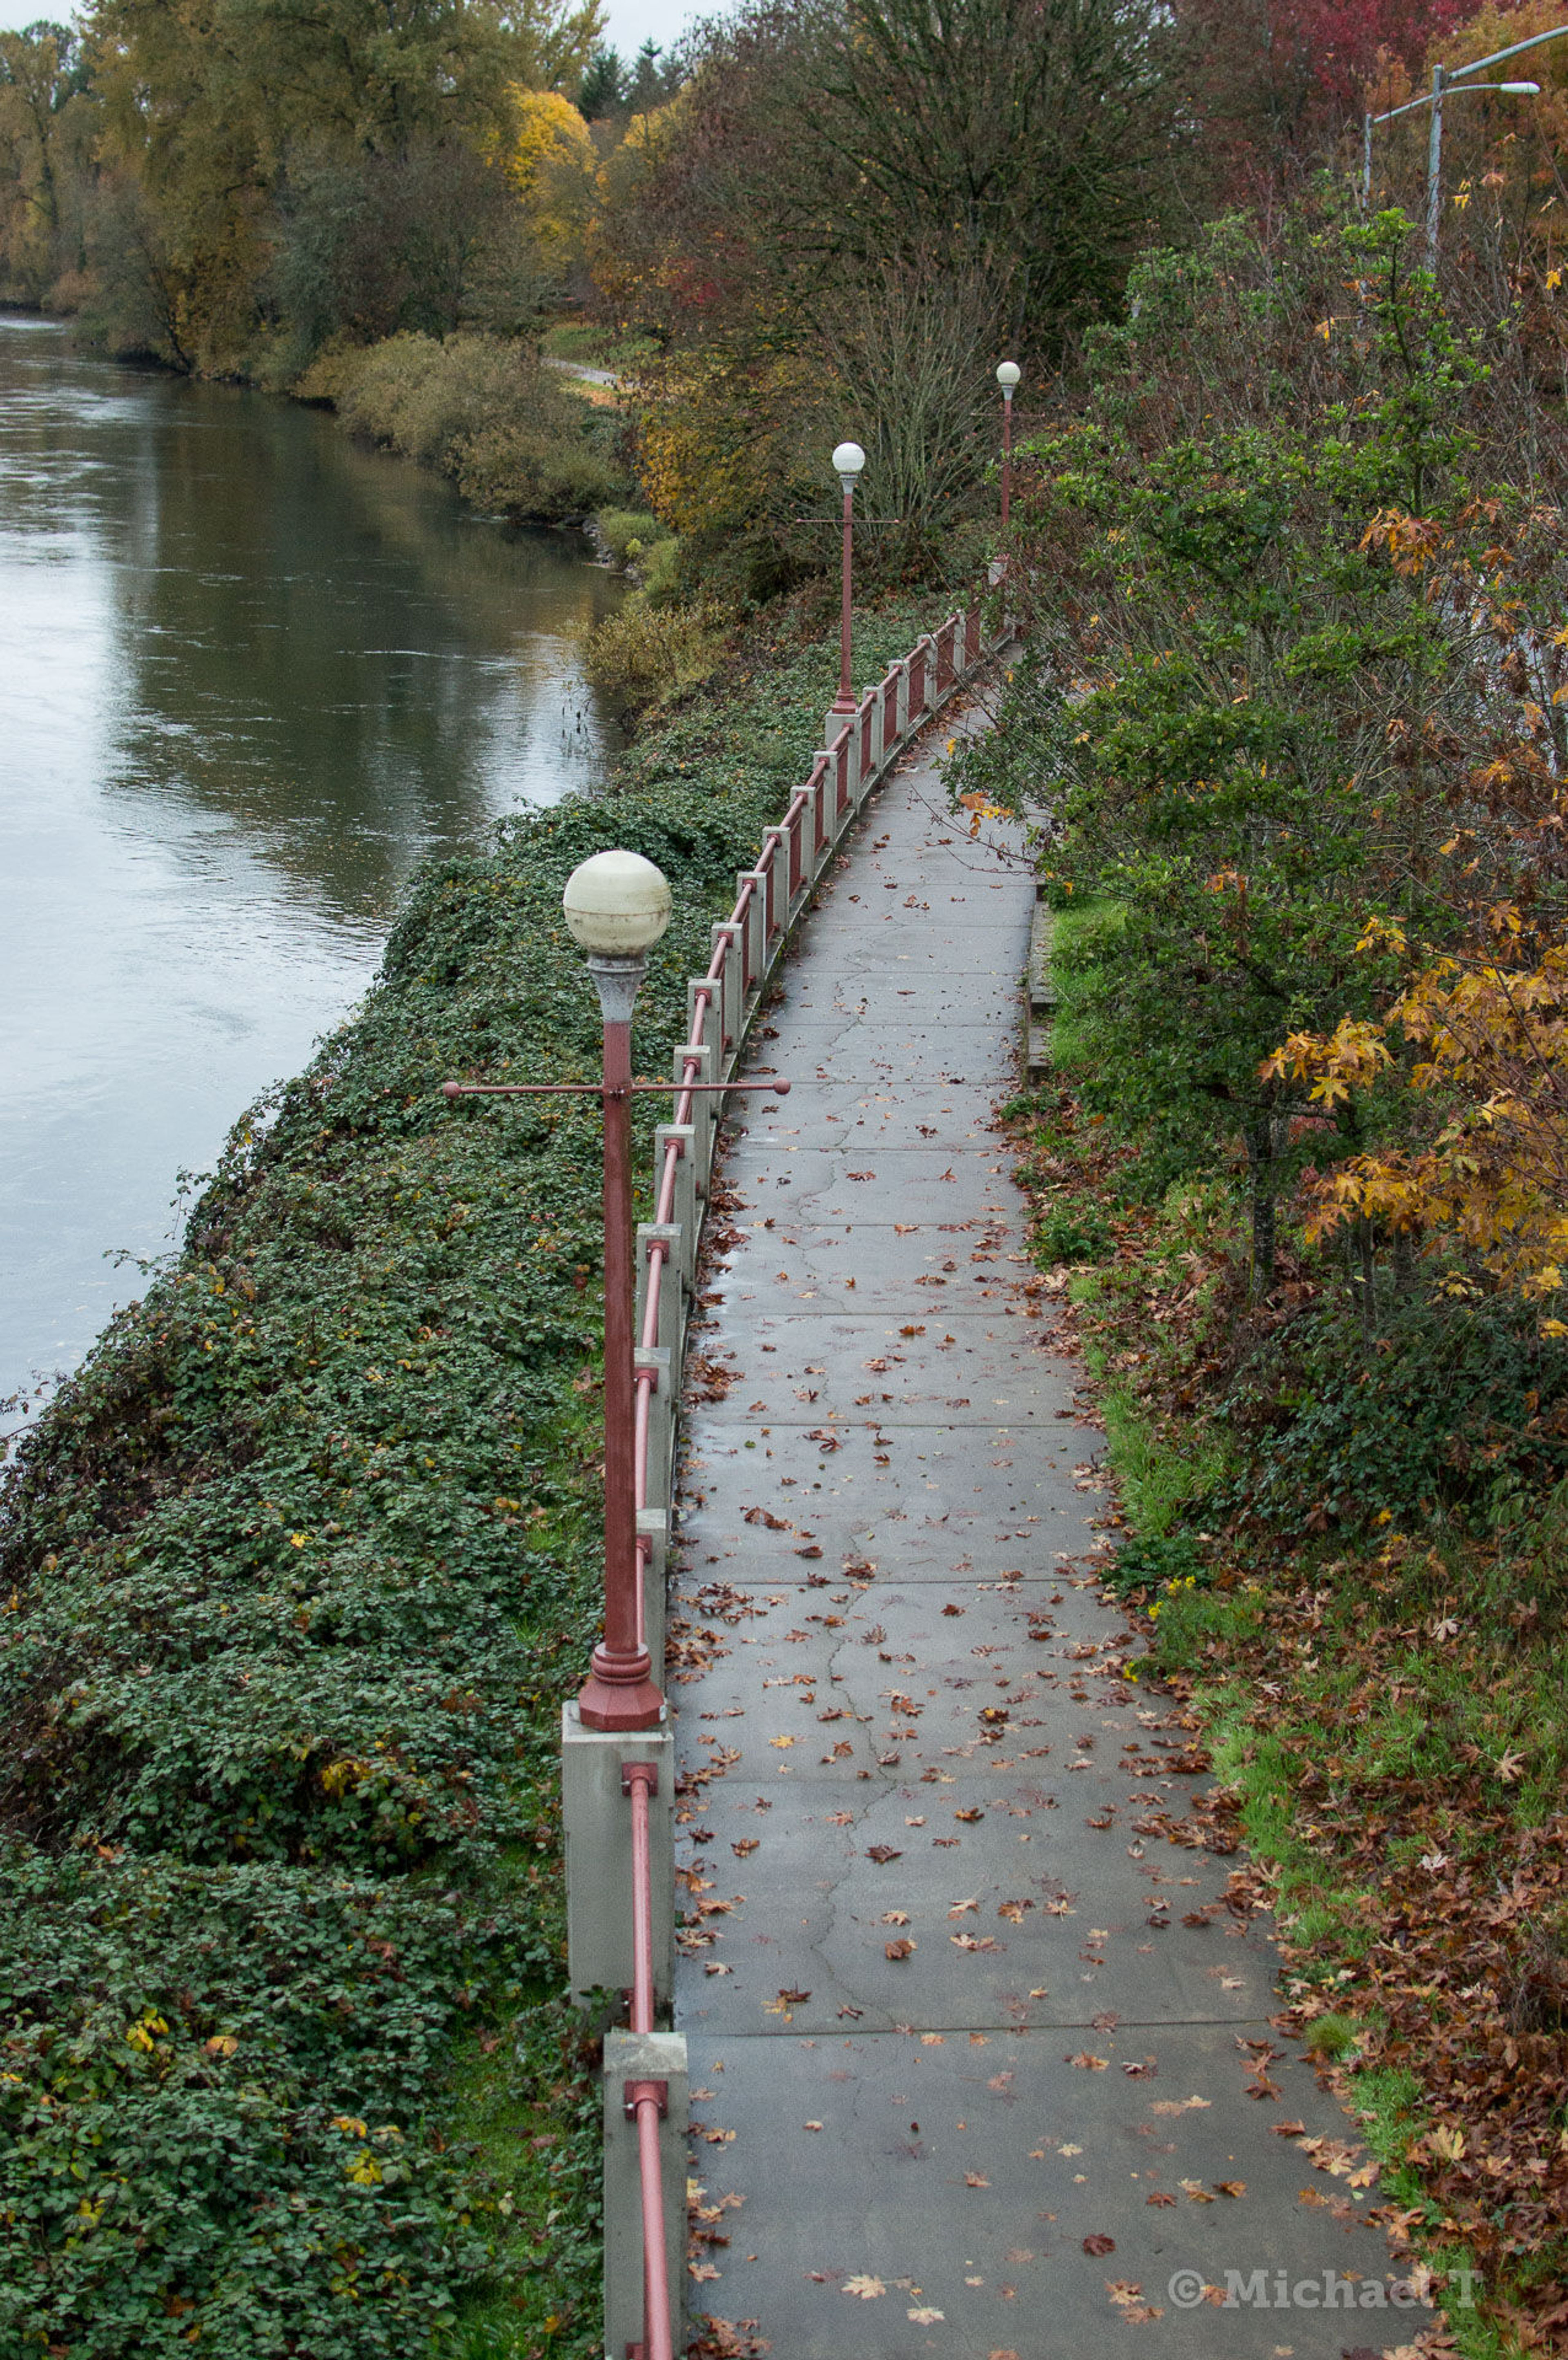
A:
632	22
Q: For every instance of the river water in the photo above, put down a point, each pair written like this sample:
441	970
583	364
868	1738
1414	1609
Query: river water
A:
250	674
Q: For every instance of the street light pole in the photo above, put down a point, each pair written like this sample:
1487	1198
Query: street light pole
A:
848	460
617	906
1444	81
1007	375
1434	162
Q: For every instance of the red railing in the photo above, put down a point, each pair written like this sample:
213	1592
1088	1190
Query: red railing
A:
794	856
646	2100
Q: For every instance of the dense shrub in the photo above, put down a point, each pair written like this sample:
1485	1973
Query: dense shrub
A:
1437	1406
643	654
482	410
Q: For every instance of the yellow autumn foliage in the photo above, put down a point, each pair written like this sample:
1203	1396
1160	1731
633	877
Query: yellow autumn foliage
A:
553	167
1491	1032
716	440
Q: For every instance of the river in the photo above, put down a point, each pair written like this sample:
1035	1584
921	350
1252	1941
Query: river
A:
251	676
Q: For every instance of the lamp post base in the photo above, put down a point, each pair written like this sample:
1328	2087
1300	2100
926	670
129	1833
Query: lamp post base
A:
619	1693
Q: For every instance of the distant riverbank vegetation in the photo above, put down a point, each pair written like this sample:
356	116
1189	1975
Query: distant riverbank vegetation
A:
817	217
814	218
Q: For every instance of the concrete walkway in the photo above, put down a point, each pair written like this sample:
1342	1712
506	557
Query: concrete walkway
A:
978	2047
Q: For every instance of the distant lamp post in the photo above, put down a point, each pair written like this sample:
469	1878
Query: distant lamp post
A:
848	461
617	906
1443	82
1007	375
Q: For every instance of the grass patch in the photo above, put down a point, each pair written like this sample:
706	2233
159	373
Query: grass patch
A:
627	535
595	346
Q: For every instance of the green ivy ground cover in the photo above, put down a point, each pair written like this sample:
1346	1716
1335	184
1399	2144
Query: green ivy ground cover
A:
294	1575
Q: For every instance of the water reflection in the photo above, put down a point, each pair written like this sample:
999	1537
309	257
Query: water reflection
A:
253	675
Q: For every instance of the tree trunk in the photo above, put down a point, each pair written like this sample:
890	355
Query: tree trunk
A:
1404	1261
1367	1248
1260	1166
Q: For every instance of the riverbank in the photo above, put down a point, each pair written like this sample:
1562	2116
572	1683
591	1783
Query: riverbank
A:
300	1567
1373	1650
518	440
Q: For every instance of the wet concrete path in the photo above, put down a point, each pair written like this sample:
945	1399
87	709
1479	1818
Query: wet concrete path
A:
976	2043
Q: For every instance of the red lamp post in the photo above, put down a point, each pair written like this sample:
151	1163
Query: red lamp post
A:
617	905
848	460
1007	375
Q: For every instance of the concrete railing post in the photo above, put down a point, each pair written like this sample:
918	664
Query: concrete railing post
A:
707	1061
653	1528
732	1000
778	867
852	761
661	1406
683	1210
637	2058
672	1325
598	1826
821	809
756	945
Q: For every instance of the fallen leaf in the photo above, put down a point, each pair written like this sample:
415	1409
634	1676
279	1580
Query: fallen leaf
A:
1231	2187
866	2287
1087	2063
882	1853
976	2180
782	1742
925	2316
902	1949
811	2126
1099	2245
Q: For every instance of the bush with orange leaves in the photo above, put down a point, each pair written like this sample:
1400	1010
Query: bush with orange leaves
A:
1484	1032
